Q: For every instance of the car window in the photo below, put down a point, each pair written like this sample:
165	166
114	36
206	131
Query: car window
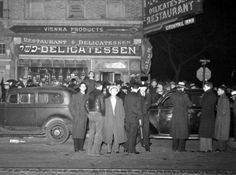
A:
50	98
167	102
26	98
13	98
196	99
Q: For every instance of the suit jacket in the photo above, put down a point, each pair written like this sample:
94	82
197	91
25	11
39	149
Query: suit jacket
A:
133	108
114	122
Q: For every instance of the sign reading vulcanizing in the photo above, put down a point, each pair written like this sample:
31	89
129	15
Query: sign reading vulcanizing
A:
158	13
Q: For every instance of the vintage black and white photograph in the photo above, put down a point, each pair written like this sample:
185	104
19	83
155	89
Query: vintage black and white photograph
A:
117	87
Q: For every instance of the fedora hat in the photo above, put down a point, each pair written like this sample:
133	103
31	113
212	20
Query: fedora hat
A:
233	92
181	84
114	87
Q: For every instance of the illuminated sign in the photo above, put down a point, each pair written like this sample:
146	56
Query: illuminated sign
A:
77	50
180	24
158	13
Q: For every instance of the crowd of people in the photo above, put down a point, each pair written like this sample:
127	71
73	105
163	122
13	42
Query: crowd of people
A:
117	114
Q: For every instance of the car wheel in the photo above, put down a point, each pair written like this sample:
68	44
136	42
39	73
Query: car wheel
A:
57	131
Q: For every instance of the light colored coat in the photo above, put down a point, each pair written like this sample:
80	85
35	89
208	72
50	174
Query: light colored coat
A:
114	123
222	124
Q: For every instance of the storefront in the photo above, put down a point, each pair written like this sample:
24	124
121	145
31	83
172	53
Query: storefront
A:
60	59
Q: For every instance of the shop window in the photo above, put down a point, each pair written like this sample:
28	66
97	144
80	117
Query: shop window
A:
1	9
115	9
2	48
76	9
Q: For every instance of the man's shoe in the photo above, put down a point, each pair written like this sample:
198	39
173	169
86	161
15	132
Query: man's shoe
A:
136	152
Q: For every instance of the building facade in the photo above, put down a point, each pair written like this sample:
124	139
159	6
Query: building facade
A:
61	39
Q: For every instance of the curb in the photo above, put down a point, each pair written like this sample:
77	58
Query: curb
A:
39	171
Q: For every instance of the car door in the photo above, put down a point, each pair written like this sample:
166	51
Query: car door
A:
20	112
165	109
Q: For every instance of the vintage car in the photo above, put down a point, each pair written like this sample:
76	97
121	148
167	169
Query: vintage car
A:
161	113
37	111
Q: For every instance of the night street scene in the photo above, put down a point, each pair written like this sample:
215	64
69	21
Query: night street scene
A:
113	87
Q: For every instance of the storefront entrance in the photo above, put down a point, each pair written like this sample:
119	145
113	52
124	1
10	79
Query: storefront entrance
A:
110	76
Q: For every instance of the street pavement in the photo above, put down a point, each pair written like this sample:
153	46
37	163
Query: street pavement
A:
36	156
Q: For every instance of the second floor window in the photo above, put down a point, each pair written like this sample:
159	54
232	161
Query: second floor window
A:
1	9
2	48
76	9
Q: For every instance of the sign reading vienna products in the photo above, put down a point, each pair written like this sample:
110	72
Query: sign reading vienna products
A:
158	13
77	50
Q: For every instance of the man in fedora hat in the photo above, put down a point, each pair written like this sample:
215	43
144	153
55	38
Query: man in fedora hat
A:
233	96
114	130
133	114
179	122
222	125
145	104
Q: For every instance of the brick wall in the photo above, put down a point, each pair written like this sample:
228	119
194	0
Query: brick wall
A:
58	9
16	9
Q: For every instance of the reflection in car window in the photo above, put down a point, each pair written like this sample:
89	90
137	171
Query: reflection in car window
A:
50	98
26	98
167	102
13	98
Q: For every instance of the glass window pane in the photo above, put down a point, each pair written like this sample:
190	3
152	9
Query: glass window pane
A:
26	98
13	98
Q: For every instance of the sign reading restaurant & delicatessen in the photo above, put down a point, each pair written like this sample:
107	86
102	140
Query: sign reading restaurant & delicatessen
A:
36	46
160	13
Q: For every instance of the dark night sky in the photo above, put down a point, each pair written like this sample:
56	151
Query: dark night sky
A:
217	22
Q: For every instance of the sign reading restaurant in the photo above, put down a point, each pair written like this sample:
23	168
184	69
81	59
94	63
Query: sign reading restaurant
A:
158	13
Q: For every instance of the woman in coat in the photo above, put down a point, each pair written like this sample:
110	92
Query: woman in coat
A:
222	125
79	113
179	122
114	131
207	120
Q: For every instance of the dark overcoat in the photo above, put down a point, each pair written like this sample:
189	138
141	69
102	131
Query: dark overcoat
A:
114	123
179	121
80	115
133	109
222	124
207	120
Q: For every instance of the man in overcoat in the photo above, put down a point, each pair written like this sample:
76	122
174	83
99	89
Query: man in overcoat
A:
145	104
114	130
207	120
222	125
133	114
233	95
80	117
179	122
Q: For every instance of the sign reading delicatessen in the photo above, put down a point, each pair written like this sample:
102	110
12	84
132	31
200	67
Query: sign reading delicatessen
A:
36	46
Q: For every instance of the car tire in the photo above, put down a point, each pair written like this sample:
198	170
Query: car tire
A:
57	131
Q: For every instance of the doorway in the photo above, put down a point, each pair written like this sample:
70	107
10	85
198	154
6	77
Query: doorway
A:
110	77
